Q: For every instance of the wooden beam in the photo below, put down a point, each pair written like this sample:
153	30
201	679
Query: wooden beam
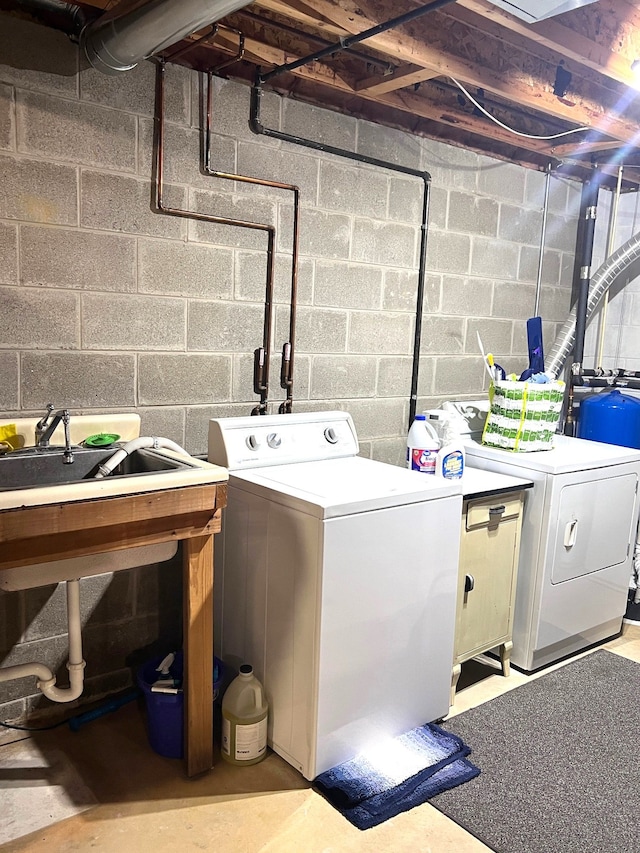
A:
583	147
402	77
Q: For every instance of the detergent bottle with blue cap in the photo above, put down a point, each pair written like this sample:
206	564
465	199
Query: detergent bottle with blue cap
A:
422	446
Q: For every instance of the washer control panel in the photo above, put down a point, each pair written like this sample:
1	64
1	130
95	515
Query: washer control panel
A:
260	440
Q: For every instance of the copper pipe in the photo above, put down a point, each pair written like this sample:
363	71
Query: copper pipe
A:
288	349
262	354
239	54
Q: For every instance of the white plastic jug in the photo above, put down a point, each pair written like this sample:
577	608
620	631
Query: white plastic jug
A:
244	719
422	446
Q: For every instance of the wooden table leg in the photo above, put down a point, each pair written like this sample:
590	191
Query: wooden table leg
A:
198	651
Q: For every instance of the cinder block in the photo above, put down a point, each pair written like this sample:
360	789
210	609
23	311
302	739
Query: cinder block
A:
426	369
184	269
342	377
493	259
326	126
52	652
342	285
7	138
513	300
438	208
384	420
442	334
473	214
456	375
54	257
79	132
186	379
38	192
322	234
319	330
501	180
165	421
448	252
387	143
251	278
567	264
224	327
158	587
8	254
242	208
181	161
374	332
9	383
555	303
394	377
406	198
401	291
385	243
450	167
520	225
134	91
107	598
77	380
25	319
230	115
391	451
197	428
353	188
530	260
116	203
469	296
37	57
495	335
114	321
561	232
295	165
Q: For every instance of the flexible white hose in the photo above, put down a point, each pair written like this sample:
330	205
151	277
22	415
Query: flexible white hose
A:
75	665
137	444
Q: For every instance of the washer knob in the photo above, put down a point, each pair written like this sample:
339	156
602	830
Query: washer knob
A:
252	442
330	435
274	440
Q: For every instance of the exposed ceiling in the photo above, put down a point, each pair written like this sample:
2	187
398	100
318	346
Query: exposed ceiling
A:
568	71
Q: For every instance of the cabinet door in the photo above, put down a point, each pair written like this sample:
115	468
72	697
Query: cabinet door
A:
486	582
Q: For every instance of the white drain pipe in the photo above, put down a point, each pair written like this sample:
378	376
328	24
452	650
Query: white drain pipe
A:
136	444
75	665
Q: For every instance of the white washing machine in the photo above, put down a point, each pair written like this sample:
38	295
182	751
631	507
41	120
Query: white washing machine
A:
335	577
576	552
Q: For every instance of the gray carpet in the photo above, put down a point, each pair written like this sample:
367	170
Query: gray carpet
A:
559	760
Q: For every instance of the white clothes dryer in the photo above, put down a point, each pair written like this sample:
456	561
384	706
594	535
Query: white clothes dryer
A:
336	579
577	543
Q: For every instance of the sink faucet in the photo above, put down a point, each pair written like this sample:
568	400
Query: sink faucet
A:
45	430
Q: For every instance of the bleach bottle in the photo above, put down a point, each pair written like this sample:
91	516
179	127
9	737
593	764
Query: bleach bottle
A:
244	719
422	446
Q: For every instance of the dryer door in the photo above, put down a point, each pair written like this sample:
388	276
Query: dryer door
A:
593	529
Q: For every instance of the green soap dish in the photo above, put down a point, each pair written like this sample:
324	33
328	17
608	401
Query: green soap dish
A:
101	439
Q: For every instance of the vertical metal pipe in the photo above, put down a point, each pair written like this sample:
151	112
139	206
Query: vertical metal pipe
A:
590	213
613	220
545	210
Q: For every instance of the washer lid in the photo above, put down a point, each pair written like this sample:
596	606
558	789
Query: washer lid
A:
336	487
568	454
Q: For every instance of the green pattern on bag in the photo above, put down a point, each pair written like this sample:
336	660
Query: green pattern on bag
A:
523	416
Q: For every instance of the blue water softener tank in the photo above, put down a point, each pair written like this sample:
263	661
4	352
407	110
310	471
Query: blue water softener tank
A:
611	417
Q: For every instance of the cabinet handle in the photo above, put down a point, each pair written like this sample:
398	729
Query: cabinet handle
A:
469	583
496	510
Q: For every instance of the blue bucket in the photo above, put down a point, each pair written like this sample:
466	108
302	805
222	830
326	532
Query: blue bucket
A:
165	711
610	417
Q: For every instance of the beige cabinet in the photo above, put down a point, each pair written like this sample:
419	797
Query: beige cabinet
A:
489	549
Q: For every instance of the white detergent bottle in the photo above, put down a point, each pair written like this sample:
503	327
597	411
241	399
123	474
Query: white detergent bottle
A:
450	461
422	446
244	719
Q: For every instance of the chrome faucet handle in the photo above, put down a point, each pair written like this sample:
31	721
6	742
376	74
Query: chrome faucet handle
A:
42	423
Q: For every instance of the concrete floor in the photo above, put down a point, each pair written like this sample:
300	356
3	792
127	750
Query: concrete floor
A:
102	788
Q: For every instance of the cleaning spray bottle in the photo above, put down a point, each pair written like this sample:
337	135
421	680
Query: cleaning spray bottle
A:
422	446
244	719
450	456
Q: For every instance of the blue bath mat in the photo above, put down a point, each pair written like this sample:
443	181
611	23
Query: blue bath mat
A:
397	775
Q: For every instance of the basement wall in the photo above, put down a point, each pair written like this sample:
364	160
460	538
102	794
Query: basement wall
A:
108	306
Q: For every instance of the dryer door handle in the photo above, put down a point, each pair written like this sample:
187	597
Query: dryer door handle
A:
570	533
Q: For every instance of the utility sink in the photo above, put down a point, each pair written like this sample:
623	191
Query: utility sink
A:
42	466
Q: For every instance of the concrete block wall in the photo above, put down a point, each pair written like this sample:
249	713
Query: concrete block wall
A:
109	305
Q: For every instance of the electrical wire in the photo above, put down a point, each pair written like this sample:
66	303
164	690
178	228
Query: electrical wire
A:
506	126
28	729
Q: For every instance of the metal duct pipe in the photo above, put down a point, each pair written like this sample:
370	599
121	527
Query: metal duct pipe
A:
136	30
626	260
